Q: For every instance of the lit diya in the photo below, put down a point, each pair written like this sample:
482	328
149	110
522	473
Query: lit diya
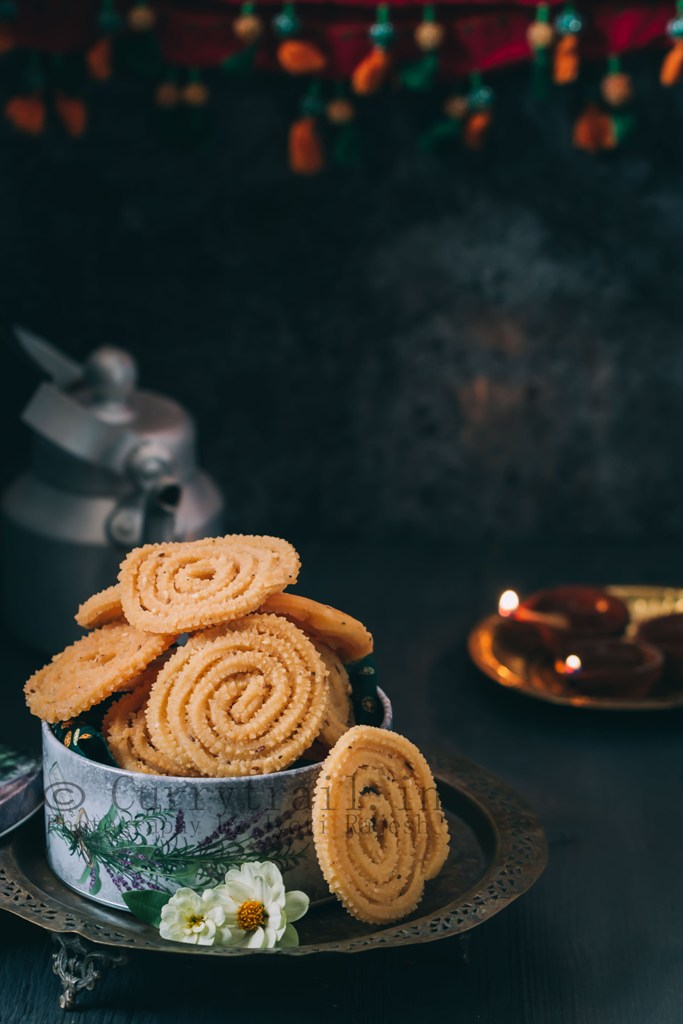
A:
666	632
561	613
606	667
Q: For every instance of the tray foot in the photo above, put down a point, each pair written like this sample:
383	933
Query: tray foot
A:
79	966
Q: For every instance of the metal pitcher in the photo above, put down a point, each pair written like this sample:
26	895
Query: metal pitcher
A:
112	467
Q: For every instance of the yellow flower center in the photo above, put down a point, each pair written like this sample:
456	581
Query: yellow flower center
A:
195	920
251	915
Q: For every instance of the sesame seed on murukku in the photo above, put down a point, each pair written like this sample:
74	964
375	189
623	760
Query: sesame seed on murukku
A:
378	826
100	609
192	585
345	635
99	664
246	698
338	715
125	730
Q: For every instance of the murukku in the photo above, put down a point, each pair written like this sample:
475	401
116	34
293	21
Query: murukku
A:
246	698
181	587
99	664
338	715
344	634
378	827
125	730
100	609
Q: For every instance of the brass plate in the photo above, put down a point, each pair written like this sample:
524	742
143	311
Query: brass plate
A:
509	668
498	850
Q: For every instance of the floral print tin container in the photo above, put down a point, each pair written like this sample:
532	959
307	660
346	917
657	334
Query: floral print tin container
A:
109	831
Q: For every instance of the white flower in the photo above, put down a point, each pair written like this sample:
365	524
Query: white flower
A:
189	917
258	911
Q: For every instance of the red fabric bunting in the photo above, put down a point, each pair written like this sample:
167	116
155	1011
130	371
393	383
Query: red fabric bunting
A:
480	35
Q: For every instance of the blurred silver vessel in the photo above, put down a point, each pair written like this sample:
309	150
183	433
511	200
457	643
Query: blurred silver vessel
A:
112	467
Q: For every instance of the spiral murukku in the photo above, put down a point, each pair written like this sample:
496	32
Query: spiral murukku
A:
100	609
344	634
246	698
186	586
338	715
99	664
378	826
125	730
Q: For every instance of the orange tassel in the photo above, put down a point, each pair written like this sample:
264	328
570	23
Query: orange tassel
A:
566	59
306	154
26	114
7	42
99	59
73	114
594	130
671	72
370	75
297	57
476	129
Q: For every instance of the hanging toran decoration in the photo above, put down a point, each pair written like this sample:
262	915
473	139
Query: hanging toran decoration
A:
343	53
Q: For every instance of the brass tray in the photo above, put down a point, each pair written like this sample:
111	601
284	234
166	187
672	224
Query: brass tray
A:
498	851
516	671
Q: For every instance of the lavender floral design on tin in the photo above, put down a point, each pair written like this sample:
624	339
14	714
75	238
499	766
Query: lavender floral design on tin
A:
152	850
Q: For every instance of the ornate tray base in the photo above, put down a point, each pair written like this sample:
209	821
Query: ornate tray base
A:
498	850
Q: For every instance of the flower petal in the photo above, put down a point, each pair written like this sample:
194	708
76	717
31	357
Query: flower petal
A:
274	914
239	890
289	938
256	940
271	874
296	905
215	914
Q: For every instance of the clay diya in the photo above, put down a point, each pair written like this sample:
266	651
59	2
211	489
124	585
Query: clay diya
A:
666	632
560	614
608	667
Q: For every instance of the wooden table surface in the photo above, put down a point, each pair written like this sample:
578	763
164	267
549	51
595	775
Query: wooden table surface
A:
598	940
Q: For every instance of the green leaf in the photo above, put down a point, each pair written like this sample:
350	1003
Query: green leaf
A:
440	133
421	74
241	62
146	904
107	819
348	150
96	883
624	126
86	874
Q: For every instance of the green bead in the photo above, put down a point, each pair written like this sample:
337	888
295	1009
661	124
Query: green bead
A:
109	22
675	28
312	106
481	97
286	24
382	34
569	23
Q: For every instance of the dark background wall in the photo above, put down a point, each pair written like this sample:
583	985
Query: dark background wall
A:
458	345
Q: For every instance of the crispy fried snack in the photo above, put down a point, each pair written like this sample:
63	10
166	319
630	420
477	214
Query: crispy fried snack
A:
125	730
345	635
181	587
99	664
246	698
100	609
338	708
378	826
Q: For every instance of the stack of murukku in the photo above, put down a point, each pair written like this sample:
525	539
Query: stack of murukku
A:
222	674
219	673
